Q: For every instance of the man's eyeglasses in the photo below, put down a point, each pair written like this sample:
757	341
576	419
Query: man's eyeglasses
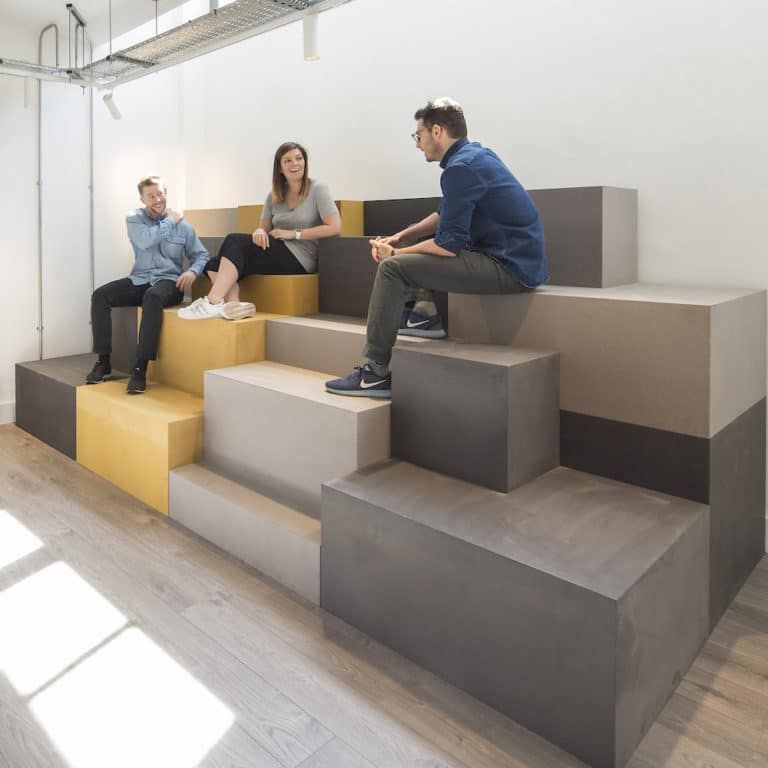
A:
416	136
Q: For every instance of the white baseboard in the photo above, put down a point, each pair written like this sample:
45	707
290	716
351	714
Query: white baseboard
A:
8	412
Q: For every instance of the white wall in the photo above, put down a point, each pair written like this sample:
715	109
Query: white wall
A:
18	218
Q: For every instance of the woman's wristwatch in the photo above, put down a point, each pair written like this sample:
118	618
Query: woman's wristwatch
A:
297	234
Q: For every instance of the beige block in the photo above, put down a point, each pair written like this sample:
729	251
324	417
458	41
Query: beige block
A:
274	294
657	356
248	218
212	222
352	217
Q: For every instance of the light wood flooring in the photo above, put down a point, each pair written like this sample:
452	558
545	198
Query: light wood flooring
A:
303	689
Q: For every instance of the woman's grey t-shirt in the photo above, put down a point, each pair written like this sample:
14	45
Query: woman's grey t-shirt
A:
310	212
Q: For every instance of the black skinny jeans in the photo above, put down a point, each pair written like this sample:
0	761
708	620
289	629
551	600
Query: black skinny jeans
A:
123	293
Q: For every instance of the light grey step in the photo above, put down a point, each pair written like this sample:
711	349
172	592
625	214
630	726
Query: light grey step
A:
486	414
279	541
574	604
332	344
275	429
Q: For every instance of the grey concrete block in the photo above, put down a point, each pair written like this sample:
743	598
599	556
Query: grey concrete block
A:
125	335
486	414
328	343
655	356
276	430
385	217
212	245
573	604
46	402
279	541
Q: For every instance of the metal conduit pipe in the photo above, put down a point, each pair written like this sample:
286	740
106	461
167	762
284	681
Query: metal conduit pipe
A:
40	183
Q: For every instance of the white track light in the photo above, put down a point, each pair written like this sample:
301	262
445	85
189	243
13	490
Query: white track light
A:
311	48
109	100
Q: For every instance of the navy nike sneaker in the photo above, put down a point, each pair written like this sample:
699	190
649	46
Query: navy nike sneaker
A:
427	326
362	382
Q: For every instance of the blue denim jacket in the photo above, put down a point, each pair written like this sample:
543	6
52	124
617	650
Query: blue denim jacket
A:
160	246
486	209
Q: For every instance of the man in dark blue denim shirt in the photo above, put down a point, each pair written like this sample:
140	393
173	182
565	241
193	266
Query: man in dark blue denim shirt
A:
486	238
160	239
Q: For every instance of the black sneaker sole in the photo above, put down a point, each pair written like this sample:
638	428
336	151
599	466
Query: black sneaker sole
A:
135	391
382	393
441	334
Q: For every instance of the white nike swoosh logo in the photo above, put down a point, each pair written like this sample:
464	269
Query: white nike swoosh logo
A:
409	324
372	384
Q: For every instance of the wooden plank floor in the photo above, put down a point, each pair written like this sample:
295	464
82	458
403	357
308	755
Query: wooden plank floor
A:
261	679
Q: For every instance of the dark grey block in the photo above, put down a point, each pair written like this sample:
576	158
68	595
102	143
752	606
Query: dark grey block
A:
346	275
212	245
386	217
590	235
46	399
125	334
726	471
486	414
573	604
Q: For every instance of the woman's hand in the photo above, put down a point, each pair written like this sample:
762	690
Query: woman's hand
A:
283	234
260	238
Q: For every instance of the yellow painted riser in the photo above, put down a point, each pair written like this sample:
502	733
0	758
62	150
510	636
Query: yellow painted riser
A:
188	348
249	217
133	441
275	294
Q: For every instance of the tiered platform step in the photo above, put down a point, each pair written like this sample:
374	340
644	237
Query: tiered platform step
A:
133	441
188	348
275	539
662	387
328	343
46	398
574	604
489	415
351	211
347	272
273	294
590	232
274	429
213	222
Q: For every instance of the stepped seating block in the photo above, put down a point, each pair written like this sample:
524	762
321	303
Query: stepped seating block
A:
328	343
125	335
273	294
488	415
212	222
46	404
133	441
276	430
352	217
212	245
278	541
590	235
248	218
188	348
590	232
347	273
574	604
660	386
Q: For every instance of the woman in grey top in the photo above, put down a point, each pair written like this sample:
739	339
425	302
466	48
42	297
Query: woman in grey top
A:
298	212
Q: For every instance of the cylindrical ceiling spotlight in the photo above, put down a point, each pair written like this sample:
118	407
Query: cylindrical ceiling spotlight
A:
311	48
111	106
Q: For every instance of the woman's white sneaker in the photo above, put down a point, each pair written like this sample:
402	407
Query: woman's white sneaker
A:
237	310
201	309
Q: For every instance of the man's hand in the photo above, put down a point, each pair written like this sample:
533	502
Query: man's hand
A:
283	234
185	280
392	239
381	248
174	215
260	238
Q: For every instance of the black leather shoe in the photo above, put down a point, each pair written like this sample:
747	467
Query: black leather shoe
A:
100	372
137	383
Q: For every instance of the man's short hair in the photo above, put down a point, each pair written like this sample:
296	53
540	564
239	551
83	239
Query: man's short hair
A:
445	112
149	181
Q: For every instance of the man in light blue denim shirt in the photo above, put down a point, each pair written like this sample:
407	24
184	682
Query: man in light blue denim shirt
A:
160	238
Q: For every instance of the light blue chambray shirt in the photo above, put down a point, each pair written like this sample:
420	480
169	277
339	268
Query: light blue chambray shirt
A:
160	247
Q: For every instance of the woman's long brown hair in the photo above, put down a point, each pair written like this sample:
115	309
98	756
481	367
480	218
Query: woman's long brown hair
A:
279	182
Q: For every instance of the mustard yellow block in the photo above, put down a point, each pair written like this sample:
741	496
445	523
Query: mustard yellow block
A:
248	217
188	348
351	217
212	222
275	294
134	440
